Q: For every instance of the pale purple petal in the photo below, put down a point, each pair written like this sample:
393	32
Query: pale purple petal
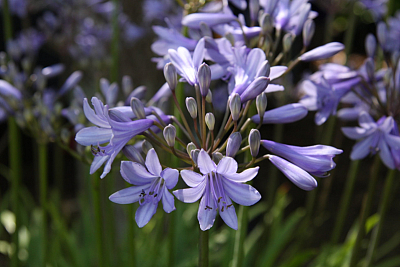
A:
255	88
97	162
93	136
211	19
274	88
144	213
190	195
244	176
198	54
385	154
229	214
135	173
355	132
277	72
362	148
284	114
322	52
206	165
170	176
168	201
207	211
393	141
242	194
192	178
153	163
227	165
94	118
128	195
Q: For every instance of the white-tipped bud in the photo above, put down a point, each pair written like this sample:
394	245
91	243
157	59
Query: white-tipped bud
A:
127	85
133	154
194	154
191	106
235	105
216	157
146	146
261	104
170	134
209	97
204	78
254	142
370	45
287	42
233	145
308	32
191	146
138	108
170	75
210	121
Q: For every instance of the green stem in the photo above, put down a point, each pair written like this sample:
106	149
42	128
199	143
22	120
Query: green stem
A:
203	248
42	151
349	36
131	235
384	205
98	219
171	239
366	210
345	201
115	43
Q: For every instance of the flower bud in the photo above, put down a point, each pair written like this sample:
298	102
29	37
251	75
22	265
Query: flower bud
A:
205	30
370	68
138	108
254	7
254	142
233	145
216	157
127	85
381	31
235	106
266	23
133	154
191	106
261	104
370	45
170	75
191	146
138	92
287	42
194	154
65	135
308	32
204	78
209	97
146	146
210	121
170	134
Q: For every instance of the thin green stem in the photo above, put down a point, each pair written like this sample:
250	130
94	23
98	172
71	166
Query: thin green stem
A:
98	220
365	211
43	182
203	248
131	235
345	201
384	205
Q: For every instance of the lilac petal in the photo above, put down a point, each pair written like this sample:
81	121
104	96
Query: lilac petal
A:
6	89
387	125
284	114
71	82
153	163
135	173
362	148
168	201
229	214
192	178
355	132
93	117
207	211
144	213
190	195
385	154
227	165
242	194
128	195
393	141
296	175
274	88
164	91
53	70
170	177
366	121
211	19
198	54
206	165
277	72
97	162
316	150
322	52
93	136
244	176
254	89
322	115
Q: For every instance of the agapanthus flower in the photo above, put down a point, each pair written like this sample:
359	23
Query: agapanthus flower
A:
217	186
374	137
151	184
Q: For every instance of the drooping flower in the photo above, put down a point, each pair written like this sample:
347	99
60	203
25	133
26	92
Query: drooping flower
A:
217	186
150	186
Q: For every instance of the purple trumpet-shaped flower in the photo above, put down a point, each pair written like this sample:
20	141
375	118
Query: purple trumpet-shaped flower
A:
217	186
211	19
322	52
150	186
284	114
317	160
374	137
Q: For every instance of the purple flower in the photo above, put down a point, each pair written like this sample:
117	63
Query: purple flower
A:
150	186
374	137
317	160
211	19
284	114
217	186
322	52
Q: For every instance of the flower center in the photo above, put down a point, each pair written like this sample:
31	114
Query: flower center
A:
153	193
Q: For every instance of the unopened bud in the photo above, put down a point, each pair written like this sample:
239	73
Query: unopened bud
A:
216	157
205	30
170	134
235	106
194	154
229	36
308	32
204	78
170	75
261	104
133	154
266	23
138	108
210	121
191	146
254	7
139	92
127	85
233	144
254	142
146	146
191	106
381	32
370	45
209	97
287	42
370	68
